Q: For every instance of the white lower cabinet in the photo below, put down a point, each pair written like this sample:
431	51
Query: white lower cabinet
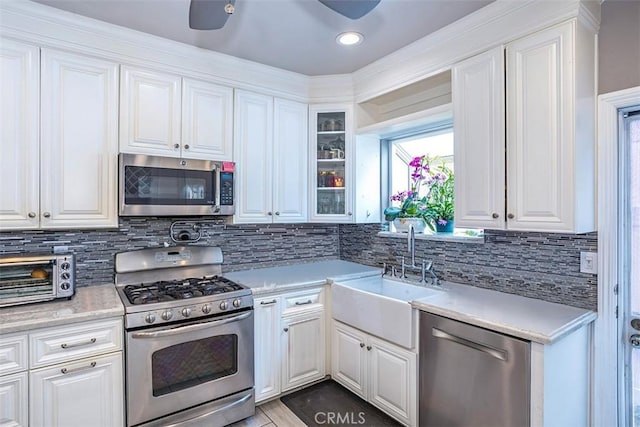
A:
74	376
14	392
290	341
87	392
382	373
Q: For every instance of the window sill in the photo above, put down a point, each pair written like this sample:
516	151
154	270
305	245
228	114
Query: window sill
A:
440	237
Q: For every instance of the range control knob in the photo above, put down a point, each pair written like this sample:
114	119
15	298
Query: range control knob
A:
186	312
167	315
224	305
237	302
65	286
65	276
150	318
206	309
65	266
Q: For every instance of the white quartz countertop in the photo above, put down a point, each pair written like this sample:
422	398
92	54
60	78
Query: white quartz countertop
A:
289	277
89	303
527	318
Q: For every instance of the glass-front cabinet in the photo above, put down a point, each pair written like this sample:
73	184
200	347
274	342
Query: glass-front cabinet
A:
331	158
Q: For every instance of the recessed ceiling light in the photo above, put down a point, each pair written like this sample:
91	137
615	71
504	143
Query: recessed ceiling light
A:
349	38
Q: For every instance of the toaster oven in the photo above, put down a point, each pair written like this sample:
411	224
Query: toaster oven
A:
33	278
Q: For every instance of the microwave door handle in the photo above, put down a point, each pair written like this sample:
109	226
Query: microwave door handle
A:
191	328
218	184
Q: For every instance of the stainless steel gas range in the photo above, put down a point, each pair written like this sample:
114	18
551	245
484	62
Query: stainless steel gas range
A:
189	338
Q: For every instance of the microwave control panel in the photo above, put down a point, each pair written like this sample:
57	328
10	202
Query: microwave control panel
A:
226	188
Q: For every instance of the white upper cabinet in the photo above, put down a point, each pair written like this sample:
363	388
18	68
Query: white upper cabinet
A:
270	153
167	115
207	120
150	112
550	130
63	176
19	125
79	141
550	141
478	129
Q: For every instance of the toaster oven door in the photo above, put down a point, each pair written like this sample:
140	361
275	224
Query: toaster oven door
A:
27	281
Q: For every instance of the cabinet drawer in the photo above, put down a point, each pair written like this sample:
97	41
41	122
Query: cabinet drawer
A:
303	300
13	354
66	343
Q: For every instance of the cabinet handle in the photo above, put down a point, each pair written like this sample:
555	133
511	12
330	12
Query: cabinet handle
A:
81	368
267	302
176	146
286	329
510	216
78	344
349	213
361	344
368	348
304	303
269	213
31	214
186	146
277	213
46	214
495	215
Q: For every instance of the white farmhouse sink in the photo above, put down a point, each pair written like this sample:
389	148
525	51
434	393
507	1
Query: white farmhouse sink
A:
379	306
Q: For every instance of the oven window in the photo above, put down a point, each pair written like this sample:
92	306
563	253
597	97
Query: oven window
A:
188	364
25	280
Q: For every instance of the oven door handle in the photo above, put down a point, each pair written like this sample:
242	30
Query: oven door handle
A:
191	328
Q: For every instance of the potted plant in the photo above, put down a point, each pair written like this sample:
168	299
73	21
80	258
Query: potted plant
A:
429	201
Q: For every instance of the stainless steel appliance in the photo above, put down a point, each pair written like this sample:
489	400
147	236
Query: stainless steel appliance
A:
34	278
189	338
470	376
166	186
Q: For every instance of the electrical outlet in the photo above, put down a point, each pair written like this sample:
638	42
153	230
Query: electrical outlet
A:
589	262
60	249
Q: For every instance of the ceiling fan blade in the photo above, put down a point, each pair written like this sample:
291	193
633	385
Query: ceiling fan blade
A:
352	9
208	14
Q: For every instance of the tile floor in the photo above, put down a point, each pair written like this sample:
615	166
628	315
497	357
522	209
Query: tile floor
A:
271	414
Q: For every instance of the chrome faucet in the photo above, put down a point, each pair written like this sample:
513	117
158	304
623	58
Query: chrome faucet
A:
427	267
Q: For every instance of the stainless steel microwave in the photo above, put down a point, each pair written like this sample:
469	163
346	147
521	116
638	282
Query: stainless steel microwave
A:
34	278
167	186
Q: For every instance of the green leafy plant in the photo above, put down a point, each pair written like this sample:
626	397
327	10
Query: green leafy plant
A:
435	182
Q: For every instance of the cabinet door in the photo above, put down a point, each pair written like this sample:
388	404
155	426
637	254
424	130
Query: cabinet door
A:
14	395
479	145
348	358
19	124
290	161
267	347
303	349
540	140
87	392
79	141
207	121
253	154
150	112
331	180
392	384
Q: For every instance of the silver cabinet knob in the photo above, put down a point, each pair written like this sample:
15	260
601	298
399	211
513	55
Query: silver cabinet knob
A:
176	146
349	213
495	215
46	214
277	213
361	344
510	216
31	214
269	213
368	348
186	146
286	329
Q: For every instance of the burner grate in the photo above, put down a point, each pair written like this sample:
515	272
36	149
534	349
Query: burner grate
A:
162	291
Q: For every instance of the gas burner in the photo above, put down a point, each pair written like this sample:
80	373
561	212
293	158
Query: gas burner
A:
193	287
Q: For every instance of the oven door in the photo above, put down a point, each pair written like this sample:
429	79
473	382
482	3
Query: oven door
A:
161	186
172	368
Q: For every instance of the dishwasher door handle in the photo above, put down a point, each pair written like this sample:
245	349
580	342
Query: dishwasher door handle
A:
493	352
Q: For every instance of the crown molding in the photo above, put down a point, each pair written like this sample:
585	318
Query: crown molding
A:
495	24
48	27
335	88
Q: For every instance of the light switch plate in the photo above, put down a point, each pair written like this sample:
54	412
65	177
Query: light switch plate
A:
589	262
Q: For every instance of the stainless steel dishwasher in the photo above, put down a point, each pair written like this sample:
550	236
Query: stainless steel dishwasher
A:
470	376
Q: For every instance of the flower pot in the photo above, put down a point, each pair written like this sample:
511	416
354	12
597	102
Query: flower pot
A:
402	224
444	228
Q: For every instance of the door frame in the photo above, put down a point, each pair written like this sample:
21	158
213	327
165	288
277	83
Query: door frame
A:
605	376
